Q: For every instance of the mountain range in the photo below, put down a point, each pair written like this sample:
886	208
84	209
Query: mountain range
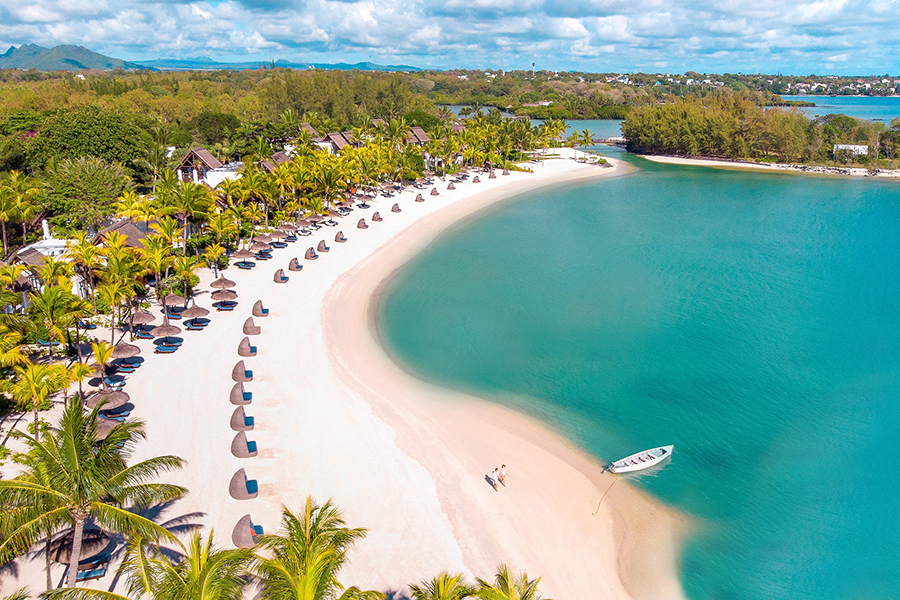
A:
79	58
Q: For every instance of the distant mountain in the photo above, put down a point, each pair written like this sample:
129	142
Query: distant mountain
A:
59	58
207	64
79	58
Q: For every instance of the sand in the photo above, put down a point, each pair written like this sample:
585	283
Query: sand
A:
336	418
777	167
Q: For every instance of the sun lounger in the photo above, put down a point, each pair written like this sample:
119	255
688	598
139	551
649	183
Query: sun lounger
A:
361	224
339	237
311	254
46	344
143	334
250	328
322	247
259	310
115	384
241	373
434	192
245	265
279	244
291	238
295	265
225	305
280	277
165	349
377	217
245	348
396	207
242	488
241	447
173	312
262	256
239	395
87	326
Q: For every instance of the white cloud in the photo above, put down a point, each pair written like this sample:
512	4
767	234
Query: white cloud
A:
702	35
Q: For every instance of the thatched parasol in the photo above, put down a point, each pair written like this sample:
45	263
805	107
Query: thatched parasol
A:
263	238
194	312
316	218
93	540
109	398
243	254
165	330
279	235
221	295
305	223
104	427
123	350
172	299
222	283
287	227
142	317
260	246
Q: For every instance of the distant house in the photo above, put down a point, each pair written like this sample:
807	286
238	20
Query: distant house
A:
338	141
279	158
134	233
850	150
417	136
196	164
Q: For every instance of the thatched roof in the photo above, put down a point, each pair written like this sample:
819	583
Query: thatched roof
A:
134	237
203	156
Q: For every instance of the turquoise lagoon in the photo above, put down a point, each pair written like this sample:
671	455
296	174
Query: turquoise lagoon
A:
753	320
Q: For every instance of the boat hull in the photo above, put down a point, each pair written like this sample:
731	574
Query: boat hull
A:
642	460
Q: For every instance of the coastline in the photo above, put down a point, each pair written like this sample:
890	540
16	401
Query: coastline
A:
772	167
336	417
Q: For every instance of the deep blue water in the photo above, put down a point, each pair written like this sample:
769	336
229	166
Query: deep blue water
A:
753	320
872	108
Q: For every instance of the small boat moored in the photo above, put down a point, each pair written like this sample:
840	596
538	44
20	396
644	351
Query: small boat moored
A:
642	460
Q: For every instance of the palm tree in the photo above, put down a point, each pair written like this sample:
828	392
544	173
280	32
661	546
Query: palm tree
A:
200	572
32	386
508	586
51	309
68	478
7	211
184	267
445	586
302	560
86	258
103	355
24	191
189	199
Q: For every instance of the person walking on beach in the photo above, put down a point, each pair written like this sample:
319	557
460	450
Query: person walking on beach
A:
502	475
494	476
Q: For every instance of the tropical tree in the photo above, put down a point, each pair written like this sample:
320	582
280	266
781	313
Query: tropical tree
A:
7	211
301	562
189	200
86	258
69	477
508	586
445	586
31	387
51	309
24	191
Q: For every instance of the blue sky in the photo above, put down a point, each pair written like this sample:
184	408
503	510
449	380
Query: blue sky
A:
774	36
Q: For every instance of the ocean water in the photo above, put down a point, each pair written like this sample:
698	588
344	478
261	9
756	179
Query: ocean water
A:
872	108
753	320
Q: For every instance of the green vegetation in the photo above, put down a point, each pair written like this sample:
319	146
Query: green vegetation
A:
736	127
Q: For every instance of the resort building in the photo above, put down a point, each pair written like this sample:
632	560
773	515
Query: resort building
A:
850	150
197	164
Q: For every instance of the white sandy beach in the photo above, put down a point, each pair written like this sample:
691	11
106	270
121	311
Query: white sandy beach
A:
336	418
776	167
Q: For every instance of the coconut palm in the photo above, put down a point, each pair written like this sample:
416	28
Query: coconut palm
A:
24	192
302	561
68	478
7	211
508	586
85	257
103	355
184	267
445	586
189	200
31	387
51	309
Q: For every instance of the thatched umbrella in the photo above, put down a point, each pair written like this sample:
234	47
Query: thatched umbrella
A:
172	299
263	238
194	312
123	350
279	235
109	398
287	227
222	283
243	254
104	427
260	246
316	218
165	330
93	540
223	295
142	317
305	223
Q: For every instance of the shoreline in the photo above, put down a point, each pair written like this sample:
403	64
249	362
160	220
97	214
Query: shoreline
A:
336	417
723	163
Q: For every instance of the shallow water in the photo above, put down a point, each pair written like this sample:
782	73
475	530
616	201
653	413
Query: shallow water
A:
753	320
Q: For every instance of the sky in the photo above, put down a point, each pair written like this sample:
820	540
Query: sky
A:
768	36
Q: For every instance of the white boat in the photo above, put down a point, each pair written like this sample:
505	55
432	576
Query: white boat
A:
642	460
